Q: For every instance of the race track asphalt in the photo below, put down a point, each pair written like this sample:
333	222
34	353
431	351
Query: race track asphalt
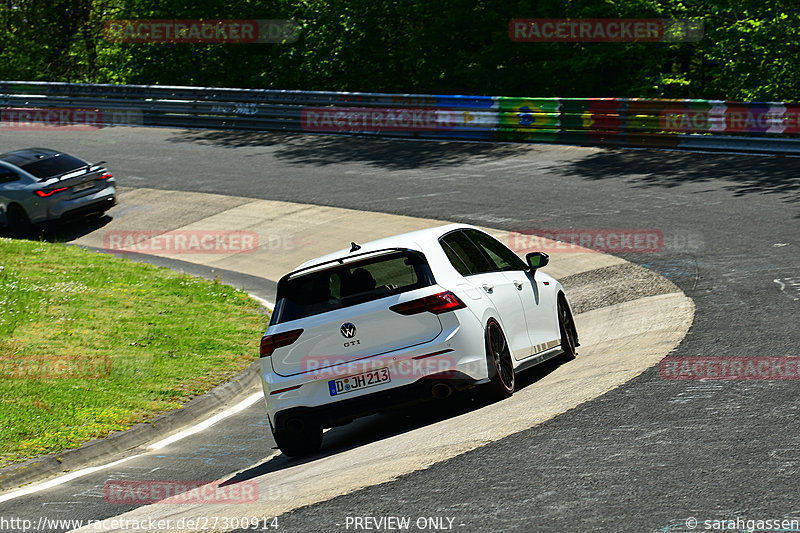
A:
644	457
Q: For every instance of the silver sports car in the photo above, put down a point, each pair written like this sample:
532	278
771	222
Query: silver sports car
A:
39	185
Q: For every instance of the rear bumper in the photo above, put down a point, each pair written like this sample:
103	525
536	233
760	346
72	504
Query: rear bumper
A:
457	357
344	411
97	207
96	202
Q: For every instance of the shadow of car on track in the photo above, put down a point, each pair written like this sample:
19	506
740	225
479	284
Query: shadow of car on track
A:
62	231
382	426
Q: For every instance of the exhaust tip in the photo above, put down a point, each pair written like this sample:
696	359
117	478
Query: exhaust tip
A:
440	391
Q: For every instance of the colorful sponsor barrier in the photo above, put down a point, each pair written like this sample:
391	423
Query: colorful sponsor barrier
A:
772	127
638	122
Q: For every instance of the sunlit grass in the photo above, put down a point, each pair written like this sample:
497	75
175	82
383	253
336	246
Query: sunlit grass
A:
166	336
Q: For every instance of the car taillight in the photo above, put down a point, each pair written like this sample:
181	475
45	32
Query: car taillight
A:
436	304
270	343
45	194
105	176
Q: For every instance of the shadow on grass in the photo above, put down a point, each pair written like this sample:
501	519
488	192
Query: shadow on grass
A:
383	426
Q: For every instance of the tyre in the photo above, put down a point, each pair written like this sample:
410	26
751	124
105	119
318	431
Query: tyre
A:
19	225
569	334
299	437
501	369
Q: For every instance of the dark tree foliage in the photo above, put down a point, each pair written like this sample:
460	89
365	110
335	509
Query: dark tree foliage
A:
751	48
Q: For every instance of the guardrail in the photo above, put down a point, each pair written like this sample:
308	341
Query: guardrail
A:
694	124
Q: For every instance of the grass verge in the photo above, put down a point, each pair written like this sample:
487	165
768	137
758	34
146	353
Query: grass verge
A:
90	344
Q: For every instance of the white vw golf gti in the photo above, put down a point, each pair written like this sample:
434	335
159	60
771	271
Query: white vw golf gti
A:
401	320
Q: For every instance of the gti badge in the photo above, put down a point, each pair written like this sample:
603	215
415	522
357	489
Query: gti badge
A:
348	330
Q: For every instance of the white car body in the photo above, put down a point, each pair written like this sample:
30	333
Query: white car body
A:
424	354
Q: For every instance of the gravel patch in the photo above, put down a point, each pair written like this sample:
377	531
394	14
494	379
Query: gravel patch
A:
613	285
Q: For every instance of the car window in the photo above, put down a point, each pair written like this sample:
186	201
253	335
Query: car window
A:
350	284
7	176
455	260
53	166
500	255
469	254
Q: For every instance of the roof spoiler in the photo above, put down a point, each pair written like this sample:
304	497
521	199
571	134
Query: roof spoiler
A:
342	260
90	167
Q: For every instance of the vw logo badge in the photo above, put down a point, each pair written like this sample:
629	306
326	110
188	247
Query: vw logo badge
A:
348	330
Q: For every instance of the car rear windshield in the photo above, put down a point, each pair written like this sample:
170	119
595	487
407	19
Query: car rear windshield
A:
350	284
53	166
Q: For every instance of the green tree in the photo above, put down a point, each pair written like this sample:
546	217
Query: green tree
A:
751	48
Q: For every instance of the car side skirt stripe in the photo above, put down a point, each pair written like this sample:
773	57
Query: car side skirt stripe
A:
546	345
540	357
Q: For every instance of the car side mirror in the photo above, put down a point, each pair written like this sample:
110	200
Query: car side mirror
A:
537	260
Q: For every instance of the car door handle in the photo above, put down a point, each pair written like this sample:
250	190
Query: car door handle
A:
488	288
518	285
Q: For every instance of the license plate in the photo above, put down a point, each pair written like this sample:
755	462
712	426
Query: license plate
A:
83	186
358	382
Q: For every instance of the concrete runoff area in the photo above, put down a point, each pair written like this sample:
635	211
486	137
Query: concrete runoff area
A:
624	331
288	234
